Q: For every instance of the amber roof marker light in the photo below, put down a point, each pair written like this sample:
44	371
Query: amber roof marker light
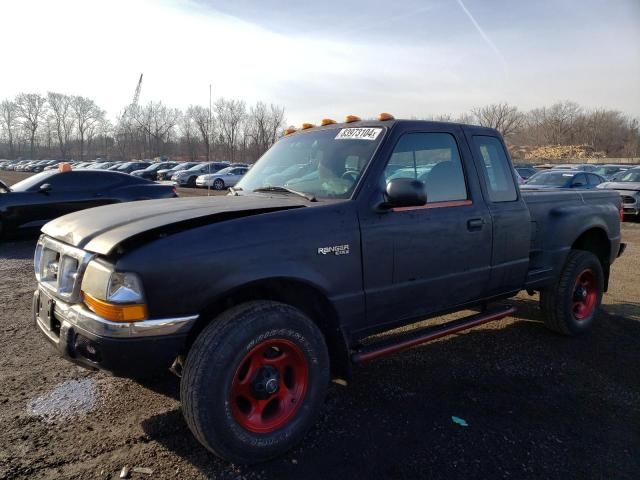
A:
384	116
351	118
290	130
306	126
327	121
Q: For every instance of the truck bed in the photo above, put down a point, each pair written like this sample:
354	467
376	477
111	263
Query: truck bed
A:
557	216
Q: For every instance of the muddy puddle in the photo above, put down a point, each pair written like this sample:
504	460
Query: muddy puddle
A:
70	399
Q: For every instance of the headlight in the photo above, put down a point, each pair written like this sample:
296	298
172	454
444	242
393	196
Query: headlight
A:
37	257
115	296
67	275
124	288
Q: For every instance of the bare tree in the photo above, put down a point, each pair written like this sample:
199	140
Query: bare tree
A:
262	128
157	121
9	123
189	132
87	114
501	116
203	120
231	113
31	110
64	119
555	124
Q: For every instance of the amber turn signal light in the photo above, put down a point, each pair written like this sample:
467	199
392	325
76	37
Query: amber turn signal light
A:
385	116
351	118
115	312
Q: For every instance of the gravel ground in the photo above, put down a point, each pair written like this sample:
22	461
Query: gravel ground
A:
537	405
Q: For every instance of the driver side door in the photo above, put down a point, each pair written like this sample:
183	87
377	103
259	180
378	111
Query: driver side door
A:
422	260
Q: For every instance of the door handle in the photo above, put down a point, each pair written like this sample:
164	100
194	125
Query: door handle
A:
475	224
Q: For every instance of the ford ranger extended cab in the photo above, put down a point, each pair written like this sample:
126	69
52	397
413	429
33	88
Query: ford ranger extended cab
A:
339	232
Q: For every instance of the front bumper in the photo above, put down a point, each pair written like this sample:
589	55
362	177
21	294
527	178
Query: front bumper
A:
181	181
630	203
125	349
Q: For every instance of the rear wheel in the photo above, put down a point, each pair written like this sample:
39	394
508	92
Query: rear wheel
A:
570	305
191	182
218	184
254	381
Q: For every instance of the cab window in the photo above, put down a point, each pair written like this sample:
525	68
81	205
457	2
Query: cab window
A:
433	159
495	169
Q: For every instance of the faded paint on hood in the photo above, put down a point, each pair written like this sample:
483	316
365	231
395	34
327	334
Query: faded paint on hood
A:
101	229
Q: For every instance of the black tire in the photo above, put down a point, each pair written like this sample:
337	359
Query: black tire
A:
191	182
562	302
219	354
218	184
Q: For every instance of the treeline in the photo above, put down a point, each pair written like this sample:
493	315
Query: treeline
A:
563	123
73	127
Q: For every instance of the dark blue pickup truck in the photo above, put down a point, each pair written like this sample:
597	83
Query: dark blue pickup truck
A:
339	232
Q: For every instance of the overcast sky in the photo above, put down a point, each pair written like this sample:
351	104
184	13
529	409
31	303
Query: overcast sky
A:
327	58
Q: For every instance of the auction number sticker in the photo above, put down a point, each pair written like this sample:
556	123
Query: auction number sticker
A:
358	134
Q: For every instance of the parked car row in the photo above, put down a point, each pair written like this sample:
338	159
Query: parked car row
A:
184	174
32	202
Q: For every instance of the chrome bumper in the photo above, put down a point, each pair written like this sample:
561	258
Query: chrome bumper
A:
84	320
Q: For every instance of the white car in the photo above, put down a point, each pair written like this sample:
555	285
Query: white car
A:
225	178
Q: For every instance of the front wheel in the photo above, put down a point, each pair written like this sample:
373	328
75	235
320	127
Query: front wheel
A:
570	305
254	381
218	184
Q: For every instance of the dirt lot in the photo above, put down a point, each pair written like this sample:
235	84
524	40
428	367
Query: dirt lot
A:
537	405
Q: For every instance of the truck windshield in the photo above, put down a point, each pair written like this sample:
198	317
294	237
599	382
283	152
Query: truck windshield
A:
322	163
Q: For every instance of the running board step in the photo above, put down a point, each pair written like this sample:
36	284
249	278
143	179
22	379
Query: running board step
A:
428	334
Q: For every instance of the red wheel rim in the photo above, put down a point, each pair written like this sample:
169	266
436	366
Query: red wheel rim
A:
585	295
269	385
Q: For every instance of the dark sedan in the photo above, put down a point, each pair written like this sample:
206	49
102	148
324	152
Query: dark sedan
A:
129	167
556	178
31	203
150	172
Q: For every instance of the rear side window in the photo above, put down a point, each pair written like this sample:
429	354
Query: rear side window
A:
496	170
579	180
432	158
593	179
68	181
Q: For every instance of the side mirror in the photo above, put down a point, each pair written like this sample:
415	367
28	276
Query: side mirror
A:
405	192
44	188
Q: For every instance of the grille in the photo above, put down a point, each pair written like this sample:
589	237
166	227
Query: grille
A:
628	199
59	267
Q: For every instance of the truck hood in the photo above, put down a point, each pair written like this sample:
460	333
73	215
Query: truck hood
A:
101	229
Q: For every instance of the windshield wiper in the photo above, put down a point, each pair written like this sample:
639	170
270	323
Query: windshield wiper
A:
308	196
234	190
